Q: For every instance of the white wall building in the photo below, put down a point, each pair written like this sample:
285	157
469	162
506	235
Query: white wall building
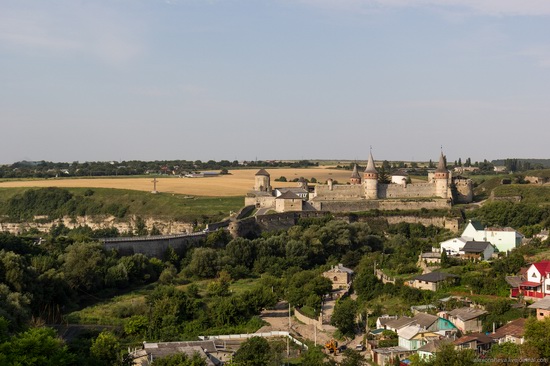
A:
504	239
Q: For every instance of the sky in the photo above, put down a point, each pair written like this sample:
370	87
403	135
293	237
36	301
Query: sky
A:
150	80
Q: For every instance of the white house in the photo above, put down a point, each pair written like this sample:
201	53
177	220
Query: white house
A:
504	239
453	246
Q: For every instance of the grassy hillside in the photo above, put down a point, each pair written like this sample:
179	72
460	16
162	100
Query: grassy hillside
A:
124	203
529	193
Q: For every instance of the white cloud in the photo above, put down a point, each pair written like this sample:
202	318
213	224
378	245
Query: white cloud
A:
485	7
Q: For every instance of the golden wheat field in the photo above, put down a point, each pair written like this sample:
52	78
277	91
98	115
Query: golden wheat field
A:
237	183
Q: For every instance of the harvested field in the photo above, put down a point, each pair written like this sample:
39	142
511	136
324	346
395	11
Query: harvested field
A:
237	183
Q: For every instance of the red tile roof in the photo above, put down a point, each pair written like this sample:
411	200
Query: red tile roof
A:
543	267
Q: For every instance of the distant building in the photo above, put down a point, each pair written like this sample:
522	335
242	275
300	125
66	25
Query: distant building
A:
479	342
340	276
431	281
534	284
465	319
512	332
477	250
542	307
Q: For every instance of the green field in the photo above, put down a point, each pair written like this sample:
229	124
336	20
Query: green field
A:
162	205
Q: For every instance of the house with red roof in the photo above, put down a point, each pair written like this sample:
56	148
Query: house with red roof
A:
536	282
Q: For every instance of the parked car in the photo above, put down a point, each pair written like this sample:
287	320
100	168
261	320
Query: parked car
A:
359	347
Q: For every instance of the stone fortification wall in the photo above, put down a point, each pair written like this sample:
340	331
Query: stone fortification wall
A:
464	192
406	190
260	201
345	206
451	224
253	226
395	204
244	228
340	192
152	246
166	227
431	204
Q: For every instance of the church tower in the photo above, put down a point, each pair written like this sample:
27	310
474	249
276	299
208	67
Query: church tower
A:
441	178
371	180
355	177
262	181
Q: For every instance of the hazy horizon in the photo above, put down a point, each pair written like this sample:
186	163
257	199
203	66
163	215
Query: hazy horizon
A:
273	79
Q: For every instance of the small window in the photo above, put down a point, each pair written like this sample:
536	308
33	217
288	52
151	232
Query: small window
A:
534	275
335	278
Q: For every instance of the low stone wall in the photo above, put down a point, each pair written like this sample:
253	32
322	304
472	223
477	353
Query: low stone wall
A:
307	320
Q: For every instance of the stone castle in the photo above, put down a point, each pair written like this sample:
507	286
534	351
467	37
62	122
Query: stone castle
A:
440	191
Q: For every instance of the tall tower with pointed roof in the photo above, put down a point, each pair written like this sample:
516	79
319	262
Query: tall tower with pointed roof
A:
441	177
371	180
355	177
262	181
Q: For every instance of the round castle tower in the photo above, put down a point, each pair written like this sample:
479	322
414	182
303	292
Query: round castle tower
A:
441	178
262	181
371	180
355	177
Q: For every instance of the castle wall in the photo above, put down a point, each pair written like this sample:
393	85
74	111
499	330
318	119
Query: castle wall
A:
286	205
414	190
153	246
389	204
464	192
260	201
340	192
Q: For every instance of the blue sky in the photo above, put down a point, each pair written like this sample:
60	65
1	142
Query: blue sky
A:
274	79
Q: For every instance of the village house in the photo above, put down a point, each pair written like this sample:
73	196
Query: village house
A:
503	239
452	246
535	282
386	356
481	250
412	337
340	276
466	319
542	307
479	342
431	281
428	351
423	320
213	352
511	332
430	258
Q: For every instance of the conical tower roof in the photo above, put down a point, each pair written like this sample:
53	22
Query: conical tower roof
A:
262	172
370	165
441	167
355	173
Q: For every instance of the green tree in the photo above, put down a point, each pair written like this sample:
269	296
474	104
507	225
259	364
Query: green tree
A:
181	359
344	315
105	349
537	334
313	357
36	347
353	358
253	352
204	263
83	265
